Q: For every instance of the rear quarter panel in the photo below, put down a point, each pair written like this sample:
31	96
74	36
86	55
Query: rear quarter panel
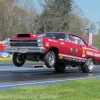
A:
94	53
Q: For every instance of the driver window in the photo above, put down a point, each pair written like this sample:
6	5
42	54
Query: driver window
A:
81	42
71	38
75	39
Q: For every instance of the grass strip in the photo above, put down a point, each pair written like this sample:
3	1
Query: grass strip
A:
74	90
5	61
9	61
5	58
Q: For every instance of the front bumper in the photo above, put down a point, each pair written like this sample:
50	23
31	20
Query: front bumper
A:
25	49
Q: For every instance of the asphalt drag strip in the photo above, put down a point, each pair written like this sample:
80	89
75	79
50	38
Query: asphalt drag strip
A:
29	75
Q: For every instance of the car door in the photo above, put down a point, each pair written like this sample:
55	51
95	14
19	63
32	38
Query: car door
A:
68	48
75	48
64	46
81	47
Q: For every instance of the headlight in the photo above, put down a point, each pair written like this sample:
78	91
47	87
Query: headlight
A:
7	42
39	41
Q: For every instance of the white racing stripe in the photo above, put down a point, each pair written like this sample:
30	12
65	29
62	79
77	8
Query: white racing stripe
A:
92	49
72	56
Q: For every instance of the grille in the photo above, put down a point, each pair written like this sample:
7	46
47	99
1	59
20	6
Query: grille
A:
23	43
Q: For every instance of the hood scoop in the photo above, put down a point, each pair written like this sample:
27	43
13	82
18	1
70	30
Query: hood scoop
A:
23	35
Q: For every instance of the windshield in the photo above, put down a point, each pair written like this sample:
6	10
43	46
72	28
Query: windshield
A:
54	35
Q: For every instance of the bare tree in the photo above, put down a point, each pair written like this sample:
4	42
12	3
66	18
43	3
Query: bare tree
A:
16	18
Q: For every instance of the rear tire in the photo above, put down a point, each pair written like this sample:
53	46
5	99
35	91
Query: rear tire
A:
18	59
60	66
88	66
50	59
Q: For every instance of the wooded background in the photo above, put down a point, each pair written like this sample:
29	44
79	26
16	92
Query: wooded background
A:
29	16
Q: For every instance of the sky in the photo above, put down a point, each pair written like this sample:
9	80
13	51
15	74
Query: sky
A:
91	9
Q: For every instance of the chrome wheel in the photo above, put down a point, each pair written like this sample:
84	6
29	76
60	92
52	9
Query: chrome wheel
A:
51	59
88	66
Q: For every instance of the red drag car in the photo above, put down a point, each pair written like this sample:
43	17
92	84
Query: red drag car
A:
56	49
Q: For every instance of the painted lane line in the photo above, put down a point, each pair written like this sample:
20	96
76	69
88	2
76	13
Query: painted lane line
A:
5	87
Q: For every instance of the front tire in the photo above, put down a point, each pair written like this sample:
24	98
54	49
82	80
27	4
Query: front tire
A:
18	59
60	66
88	66
50	59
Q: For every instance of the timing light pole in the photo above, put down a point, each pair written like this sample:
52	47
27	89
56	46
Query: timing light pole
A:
90	36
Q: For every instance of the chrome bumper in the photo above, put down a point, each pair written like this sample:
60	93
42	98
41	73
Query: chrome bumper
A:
25	49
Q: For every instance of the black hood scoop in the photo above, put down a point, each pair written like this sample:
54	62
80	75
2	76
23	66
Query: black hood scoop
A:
23	35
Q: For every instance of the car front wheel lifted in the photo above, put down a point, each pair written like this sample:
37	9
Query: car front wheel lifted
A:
50	59
18	59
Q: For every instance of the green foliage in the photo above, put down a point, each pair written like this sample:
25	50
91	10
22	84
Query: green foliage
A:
64	5
74	90
55	15
96	40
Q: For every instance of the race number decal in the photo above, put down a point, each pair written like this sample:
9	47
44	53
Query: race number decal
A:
92	54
